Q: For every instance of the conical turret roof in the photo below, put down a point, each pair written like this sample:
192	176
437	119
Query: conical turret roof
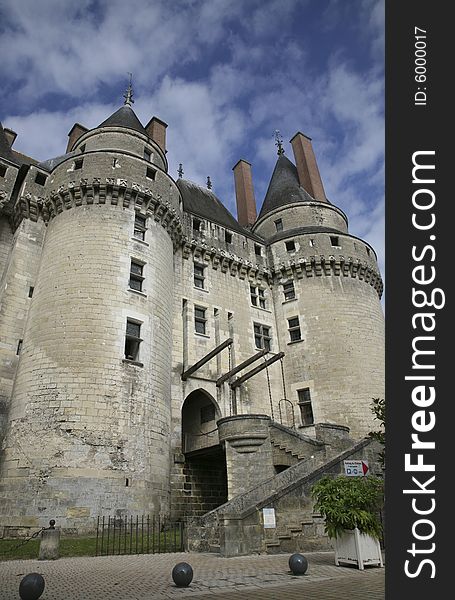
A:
284	187
124	117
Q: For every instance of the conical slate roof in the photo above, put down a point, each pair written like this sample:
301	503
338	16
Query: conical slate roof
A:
284	187
124	117
5	149
203	202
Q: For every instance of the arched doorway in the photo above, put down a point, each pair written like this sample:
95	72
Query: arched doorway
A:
205	478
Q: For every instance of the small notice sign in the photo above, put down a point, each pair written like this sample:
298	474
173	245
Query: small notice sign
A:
269	518
356	468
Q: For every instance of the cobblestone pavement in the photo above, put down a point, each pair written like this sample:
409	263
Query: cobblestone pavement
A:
148	577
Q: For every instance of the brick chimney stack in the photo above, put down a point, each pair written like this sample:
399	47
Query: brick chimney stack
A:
156	129
307	167
76	131
244	193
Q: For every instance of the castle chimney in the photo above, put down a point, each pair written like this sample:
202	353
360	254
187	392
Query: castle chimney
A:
244	193
10	135
307	167
76	131
156	129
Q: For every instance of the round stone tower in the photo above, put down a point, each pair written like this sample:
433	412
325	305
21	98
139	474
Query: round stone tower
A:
90	415
327	290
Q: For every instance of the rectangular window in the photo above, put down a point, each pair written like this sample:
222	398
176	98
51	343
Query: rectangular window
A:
31	289
132	339
228	237
257	296
306	410
262	336
147	155
40	178
3	170
200	320
207	413
19	347
334	240
294	329
139	227
136	275
311	243
199	276
82	148
289	290
150	173
78	163
257	250
279	225
290	246
196	225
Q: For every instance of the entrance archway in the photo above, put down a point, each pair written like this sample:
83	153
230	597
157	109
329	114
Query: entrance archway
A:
205	478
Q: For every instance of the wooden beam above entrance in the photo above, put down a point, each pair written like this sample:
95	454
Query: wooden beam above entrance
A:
205	359
245	363
255	371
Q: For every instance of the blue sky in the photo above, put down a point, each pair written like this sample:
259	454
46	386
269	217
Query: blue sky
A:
224	75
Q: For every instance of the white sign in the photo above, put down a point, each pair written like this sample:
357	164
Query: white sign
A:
269	518
356	468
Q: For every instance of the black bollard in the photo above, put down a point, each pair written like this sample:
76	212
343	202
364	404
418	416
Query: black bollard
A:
31	586
298	564
182	574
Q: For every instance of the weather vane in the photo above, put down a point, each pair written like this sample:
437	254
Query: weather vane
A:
279	142
209	183
128	95
180	171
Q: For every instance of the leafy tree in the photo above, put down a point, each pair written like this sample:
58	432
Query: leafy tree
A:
378	409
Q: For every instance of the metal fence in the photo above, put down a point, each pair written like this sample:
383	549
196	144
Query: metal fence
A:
144	534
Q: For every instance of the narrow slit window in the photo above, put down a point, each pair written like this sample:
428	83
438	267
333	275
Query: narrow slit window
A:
279	225
289	290
82	148
257	250
200	321
31	289
19	346
132	340
196	225
139	227
228	237
294	329
136	275
147	155
3	170
306	409
151	173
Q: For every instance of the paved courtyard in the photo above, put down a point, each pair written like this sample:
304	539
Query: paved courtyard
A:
148	577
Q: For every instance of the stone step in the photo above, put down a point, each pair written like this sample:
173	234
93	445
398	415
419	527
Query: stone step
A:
214	548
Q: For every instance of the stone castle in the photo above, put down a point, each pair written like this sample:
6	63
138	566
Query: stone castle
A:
158	355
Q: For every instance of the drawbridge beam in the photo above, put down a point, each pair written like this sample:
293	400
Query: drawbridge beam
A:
205	359
255	371
245	363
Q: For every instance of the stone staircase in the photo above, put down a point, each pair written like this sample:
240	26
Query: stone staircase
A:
237	528
289	446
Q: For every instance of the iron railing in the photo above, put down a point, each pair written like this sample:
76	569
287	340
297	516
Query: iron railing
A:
144	534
